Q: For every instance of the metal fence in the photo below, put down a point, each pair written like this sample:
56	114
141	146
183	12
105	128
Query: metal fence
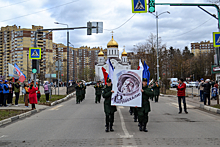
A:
70	89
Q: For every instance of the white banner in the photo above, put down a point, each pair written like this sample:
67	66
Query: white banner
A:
127	85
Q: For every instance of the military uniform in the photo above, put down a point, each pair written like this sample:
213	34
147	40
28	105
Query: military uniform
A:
98	92
156	89
145	109
151	97
78	93
108	109
83	92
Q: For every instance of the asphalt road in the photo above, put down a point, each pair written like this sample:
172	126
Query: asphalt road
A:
78	125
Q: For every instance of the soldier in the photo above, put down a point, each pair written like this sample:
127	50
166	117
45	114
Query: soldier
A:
156	88
78	92
145	109
108	109
83	91
151	97
98	91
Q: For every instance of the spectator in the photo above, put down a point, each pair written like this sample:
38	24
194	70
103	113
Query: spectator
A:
216	84
1	93
5	92
10	95
32	95
201	88
17	91
181	95
47	90
207	87
38	96
26	96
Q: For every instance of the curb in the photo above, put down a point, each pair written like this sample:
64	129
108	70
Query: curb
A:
208	108
63	99
20	116
26	114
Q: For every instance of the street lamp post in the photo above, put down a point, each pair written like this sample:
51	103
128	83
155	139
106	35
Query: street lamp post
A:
27	65
157	17
67	82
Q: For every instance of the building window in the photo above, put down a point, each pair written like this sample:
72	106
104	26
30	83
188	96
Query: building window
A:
112	52
115	52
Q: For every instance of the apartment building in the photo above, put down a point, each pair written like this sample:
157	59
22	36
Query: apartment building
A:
14	48
202	48
84	62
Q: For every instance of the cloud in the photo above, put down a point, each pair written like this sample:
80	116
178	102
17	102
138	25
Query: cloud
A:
113	13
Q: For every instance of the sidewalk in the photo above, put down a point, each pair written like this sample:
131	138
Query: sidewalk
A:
22	107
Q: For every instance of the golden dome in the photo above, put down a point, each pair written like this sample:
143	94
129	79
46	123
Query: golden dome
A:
124	53
101	53
112	43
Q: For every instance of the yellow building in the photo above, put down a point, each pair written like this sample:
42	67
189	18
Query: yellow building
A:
202	48
14	48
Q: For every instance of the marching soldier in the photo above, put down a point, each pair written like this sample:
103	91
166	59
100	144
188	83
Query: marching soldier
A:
98	91
78	92
156	88
109	110
83	92
151	97
145	109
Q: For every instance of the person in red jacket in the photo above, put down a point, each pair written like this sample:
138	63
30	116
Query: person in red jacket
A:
32	96
181	95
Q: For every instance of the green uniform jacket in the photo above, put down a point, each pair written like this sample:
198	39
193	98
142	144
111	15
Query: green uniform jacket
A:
83	89
156	89
145	99
78	90
16	87
98	89
107	94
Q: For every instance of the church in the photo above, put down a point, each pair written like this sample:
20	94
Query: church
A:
113	55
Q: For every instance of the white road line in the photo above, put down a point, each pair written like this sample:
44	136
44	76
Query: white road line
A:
56	108
3	136
127	135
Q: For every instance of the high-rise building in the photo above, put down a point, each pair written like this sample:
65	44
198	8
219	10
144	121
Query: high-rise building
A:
202	48
14	48
84	62
60	53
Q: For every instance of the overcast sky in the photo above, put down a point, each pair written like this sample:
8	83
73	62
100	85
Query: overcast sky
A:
173	27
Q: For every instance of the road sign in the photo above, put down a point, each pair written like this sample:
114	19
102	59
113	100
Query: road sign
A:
139	6
34	53
216	39
94	27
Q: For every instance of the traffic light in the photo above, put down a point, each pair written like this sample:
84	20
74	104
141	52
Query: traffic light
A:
151	4
89	28
35	66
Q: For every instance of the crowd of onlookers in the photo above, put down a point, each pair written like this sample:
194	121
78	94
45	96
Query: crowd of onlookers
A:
31	93
208	88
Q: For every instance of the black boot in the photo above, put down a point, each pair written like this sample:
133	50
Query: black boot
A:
111	129
107	128
145	128
140	126
135	118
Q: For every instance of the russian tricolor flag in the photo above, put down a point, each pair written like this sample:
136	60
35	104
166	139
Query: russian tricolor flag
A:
22	76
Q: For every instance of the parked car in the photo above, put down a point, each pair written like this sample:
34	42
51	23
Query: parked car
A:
93	83
187	84
194	84
173	84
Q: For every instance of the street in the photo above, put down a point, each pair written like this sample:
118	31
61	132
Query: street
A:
78	125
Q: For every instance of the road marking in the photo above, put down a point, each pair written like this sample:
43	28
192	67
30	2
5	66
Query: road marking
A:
56	108
3	136
177	105
127	135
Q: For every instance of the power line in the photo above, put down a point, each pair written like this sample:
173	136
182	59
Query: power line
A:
193	28
122	24
14	4
40	11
